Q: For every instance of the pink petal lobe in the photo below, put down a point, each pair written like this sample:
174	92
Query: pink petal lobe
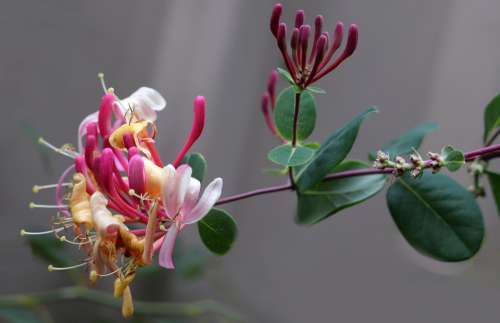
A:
167	248
211	195
192	195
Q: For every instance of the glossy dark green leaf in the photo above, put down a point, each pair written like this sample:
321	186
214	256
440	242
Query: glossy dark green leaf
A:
285	75
218	231
332	152
49	249
18	315
494	179
328	198
286	155
491	117
284	114
404	144
199	165
453	159
437	216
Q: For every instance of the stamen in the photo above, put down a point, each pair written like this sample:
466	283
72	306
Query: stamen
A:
103	83
63	239
46	206
38	188
68	153
27	233
53	268
111	273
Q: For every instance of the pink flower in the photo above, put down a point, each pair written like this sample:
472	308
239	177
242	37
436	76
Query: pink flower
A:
183	206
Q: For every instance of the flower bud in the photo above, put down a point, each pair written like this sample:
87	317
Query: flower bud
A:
275	18
299	18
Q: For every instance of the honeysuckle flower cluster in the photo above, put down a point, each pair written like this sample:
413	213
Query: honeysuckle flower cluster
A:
310	54
123	204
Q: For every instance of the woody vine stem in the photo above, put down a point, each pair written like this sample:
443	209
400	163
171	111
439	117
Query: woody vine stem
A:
488	152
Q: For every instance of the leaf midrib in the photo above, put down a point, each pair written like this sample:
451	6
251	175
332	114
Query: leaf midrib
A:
411	190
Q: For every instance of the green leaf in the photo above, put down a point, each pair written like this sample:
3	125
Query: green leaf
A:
453	159
284	114
190	261
276	171
491	117
437	216
328	198
218	231
287	155
404	144
315	90
18	315
199	165
494	179
312	145
48	248
332	152
285	75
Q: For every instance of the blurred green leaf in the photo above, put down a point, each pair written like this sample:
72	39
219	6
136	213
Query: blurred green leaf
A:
453	159
312	145
49	249
328	198
18	315
332	152
199	165
315	90
285	110
404	144
494	179
437	216
218	231
286	155
285	75
190	262
276	171
491	118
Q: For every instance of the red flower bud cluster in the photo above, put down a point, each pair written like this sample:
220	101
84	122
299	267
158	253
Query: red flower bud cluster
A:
311	54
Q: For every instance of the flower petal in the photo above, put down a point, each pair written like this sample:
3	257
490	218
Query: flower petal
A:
167	248
146	101
211	194
105	223
192	195
82	128
176	189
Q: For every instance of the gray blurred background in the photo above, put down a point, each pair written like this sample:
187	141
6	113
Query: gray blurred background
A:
416	60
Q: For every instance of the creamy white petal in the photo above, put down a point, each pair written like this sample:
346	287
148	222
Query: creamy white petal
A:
176	189
146	101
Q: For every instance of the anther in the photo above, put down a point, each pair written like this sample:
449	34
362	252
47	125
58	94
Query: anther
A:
103	83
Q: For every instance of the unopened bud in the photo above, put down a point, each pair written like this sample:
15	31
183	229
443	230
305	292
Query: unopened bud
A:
299	18
275	18
352	41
